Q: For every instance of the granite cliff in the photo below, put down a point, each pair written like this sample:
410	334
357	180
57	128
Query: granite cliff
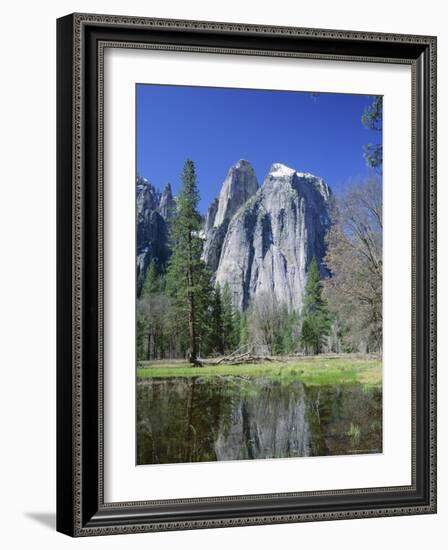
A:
265	244
154	210
258	239
238	187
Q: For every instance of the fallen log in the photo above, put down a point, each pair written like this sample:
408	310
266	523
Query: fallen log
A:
232	356
243	358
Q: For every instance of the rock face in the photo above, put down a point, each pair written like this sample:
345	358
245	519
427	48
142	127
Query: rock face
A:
240	184
266	244
259	240
238	187
262	427
154	210
209	419
167	204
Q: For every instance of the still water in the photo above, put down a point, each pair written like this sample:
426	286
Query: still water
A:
233	418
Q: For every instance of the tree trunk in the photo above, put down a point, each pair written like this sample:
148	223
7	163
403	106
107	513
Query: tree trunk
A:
148	347
192	355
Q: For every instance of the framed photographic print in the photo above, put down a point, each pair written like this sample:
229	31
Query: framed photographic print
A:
246	274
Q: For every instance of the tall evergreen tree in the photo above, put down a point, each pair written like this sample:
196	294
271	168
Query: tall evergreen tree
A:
290	332
229	320
140	339
217	326
315	315
152	283
188	280
243	336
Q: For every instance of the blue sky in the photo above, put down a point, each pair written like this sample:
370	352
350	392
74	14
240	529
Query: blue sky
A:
216	127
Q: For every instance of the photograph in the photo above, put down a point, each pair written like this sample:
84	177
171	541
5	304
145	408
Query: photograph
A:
246	273
259	271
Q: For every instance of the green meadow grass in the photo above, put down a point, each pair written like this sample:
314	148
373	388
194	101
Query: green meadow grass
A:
311	371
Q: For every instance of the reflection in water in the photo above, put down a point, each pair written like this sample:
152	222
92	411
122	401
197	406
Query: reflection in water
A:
232	418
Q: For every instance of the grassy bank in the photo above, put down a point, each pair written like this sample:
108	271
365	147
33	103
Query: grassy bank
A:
311	371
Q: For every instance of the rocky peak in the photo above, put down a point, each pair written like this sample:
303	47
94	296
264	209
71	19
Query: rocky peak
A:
211	215
153	212
269	242
279	170
259	240
280	174
148	197
167	203
239	185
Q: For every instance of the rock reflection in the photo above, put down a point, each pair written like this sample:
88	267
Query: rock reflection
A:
234	418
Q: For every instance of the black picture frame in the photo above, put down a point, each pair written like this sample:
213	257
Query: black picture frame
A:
81	510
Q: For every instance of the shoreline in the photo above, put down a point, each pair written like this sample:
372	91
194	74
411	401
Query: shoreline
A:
316	370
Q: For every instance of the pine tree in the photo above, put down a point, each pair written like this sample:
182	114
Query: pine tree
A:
236	328
217	327
289	333
152	283
229	320
140	340
315	315
204	308
188	280
243	330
